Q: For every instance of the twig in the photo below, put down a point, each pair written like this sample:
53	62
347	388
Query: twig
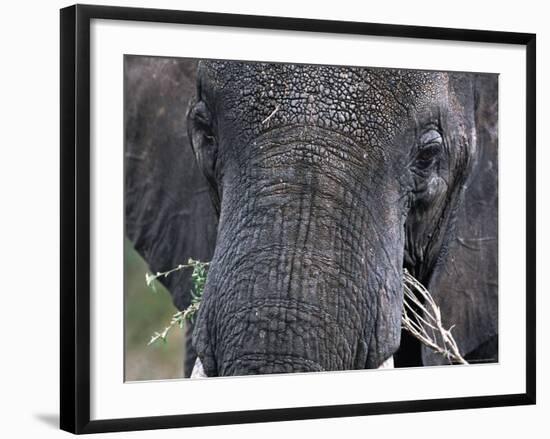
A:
428	315
149	278
271	115
178	319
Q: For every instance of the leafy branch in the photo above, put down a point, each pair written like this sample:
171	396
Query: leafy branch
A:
198	279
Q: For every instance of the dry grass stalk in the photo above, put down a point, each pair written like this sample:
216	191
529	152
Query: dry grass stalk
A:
422	318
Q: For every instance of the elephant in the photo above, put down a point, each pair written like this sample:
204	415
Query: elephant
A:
310	188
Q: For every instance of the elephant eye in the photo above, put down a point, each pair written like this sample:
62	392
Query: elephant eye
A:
430	146
428	152
203	119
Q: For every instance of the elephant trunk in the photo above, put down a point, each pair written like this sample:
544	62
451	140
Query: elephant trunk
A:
300	273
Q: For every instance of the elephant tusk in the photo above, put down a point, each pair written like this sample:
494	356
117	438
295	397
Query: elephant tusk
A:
388	364
198	370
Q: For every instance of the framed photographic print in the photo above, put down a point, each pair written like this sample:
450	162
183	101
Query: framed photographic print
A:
267	218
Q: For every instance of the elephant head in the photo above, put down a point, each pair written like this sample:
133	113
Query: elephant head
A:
325	183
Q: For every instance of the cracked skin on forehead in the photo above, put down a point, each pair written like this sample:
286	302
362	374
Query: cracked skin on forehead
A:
362	103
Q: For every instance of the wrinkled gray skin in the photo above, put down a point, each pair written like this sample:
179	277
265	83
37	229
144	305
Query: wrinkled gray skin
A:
327	181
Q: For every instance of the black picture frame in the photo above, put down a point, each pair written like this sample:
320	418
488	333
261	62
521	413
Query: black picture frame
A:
75	217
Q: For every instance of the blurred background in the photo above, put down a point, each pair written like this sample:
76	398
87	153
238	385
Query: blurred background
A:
147	311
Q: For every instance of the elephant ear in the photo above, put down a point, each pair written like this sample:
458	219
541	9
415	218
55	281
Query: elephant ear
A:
465	283
168	212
